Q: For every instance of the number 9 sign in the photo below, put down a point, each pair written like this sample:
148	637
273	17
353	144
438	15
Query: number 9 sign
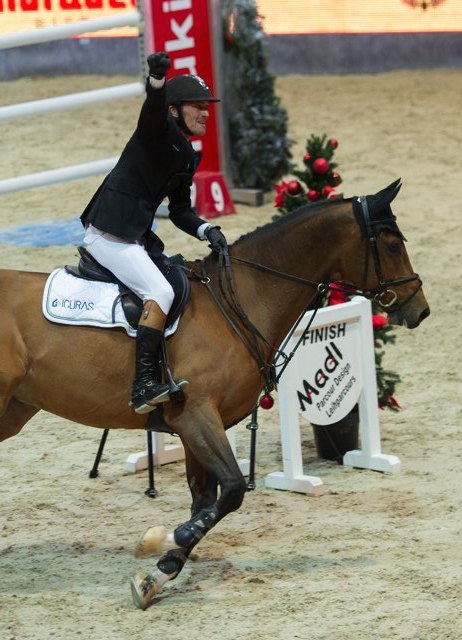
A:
217	195
210	196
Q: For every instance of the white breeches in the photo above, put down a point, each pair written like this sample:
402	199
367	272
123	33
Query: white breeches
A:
131	264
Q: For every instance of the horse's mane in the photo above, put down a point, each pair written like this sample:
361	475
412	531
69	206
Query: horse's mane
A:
307	210
380	212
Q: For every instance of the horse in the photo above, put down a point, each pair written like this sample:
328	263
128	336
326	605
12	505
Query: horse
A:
241	307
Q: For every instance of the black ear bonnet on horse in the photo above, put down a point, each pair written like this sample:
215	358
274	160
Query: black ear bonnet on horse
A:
374	212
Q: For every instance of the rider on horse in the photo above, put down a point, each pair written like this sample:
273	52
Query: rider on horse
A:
157	162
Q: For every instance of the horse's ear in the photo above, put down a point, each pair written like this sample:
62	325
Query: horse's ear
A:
387	195
380	210
381	200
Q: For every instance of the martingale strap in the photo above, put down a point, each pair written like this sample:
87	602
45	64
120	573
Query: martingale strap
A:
266	369
227	291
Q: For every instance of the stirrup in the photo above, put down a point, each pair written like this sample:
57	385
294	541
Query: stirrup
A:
151	395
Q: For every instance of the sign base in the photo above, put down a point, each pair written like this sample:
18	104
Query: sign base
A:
376	462
299	484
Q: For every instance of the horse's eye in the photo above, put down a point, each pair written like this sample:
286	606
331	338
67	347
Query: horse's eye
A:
394	247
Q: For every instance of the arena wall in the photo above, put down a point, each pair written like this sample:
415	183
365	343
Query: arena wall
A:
287	53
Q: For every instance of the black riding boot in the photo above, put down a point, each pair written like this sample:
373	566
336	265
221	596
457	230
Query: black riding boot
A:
147	390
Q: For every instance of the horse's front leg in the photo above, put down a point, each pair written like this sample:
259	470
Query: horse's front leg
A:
209	462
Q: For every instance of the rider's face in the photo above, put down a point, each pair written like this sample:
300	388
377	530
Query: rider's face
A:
195	115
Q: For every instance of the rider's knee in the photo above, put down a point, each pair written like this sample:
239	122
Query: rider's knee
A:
164	295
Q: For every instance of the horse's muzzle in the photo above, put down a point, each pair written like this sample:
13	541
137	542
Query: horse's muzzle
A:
407	318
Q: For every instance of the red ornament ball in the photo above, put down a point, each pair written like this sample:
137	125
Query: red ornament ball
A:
379	321
313	195
294	188
336	178
320	165
266	401
326	191
334	143
306	157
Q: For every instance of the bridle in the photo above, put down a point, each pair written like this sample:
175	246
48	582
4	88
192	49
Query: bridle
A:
231	308
384	296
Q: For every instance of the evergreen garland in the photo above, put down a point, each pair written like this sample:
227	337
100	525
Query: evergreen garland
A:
386	379
259	148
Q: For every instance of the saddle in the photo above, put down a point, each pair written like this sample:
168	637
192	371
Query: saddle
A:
172	268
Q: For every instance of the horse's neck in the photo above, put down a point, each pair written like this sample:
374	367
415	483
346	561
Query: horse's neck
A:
307	247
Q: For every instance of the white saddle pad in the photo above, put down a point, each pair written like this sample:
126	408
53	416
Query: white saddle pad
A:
75	301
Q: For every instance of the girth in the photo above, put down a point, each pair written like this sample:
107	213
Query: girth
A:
172	268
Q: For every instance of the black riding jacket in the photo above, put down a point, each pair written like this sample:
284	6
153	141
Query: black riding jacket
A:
157	162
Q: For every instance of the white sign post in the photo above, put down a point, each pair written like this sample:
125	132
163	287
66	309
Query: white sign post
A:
332	370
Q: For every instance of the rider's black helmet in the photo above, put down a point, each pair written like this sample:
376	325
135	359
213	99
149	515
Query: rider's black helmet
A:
188	88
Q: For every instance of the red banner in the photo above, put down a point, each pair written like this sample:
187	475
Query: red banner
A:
183	28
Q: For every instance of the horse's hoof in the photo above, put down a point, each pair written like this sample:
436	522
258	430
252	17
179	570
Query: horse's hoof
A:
144	590
146	586
154	540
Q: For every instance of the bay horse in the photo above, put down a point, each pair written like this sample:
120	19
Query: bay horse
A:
225	347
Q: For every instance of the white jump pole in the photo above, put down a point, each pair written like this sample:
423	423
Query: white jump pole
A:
54	176
48	34
71	101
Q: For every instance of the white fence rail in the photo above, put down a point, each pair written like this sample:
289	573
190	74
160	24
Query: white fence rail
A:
55	176
71	101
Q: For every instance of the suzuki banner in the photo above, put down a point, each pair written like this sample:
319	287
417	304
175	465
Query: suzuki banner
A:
184	29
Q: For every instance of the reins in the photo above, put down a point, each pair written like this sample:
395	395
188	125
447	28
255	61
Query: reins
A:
268	370
238	319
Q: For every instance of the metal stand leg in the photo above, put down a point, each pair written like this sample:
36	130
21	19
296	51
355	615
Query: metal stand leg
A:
252	426
94	472
151	490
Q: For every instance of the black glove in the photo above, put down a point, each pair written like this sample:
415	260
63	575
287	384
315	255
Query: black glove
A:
159	64
217	239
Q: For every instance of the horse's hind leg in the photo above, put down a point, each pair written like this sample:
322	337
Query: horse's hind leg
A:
210	463
14	418
13	413
13	368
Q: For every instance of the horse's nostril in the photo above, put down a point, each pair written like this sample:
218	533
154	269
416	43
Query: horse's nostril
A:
425	313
